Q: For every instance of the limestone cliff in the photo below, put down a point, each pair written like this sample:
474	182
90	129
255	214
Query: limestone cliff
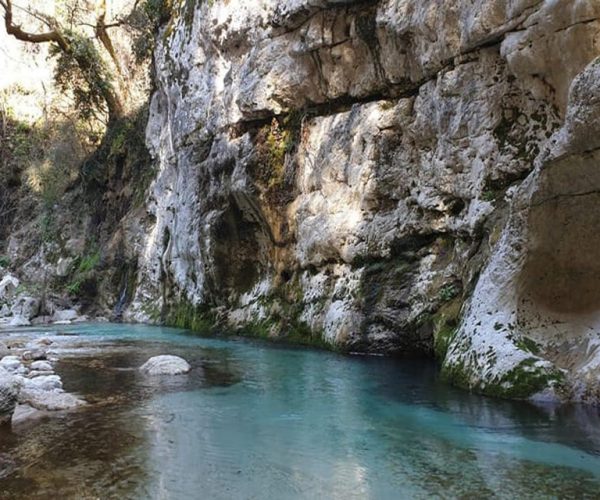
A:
392	176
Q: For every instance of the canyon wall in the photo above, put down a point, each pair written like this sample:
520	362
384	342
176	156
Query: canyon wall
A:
393	176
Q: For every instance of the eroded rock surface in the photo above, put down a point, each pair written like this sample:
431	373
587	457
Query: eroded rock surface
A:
345	170
534	316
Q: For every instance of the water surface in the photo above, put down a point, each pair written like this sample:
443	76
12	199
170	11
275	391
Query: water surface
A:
255	420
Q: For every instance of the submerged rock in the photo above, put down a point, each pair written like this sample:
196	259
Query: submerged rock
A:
49	400
26	413
165	365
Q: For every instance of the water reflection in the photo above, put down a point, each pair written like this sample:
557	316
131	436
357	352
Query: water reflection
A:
253	421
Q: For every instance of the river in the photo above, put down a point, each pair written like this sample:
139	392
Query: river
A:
255	420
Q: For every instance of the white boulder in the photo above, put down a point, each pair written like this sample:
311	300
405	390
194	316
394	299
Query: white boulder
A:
12	364
49	400
66	315
165	365
44	382
41	366
19	321
26	307
8	286
63	266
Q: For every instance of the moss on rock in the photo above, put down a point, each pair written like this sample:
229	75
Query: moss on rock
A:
191	317
526	379
529	377
445	325
293	332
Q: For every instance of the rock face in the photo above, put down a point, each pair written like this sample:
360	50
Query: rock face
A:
390	176
540	294
165	365
355	171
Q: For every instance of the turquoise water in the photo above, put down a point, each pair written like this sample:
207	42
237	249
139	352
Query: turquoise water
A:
255	420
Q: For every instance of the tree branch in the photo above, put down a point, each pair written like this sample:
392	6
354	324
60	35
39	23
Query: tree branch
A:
113	102
102	35
20	34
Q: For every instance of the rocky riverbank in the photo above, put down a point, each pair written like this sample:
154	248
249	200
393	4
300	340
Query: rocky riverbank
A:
29	386
21	306
32	388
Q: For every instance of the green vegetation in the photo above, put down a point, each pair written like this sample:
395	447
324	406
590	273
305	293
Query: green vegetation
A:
283	308
83	273
456	374
196	318
448	292
275	143
88	262
489	195
47	227
445	326
38	161
74	287
524	380
4	261
294	332
158	11
82	72
528	345
145	20
122	155
442	338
